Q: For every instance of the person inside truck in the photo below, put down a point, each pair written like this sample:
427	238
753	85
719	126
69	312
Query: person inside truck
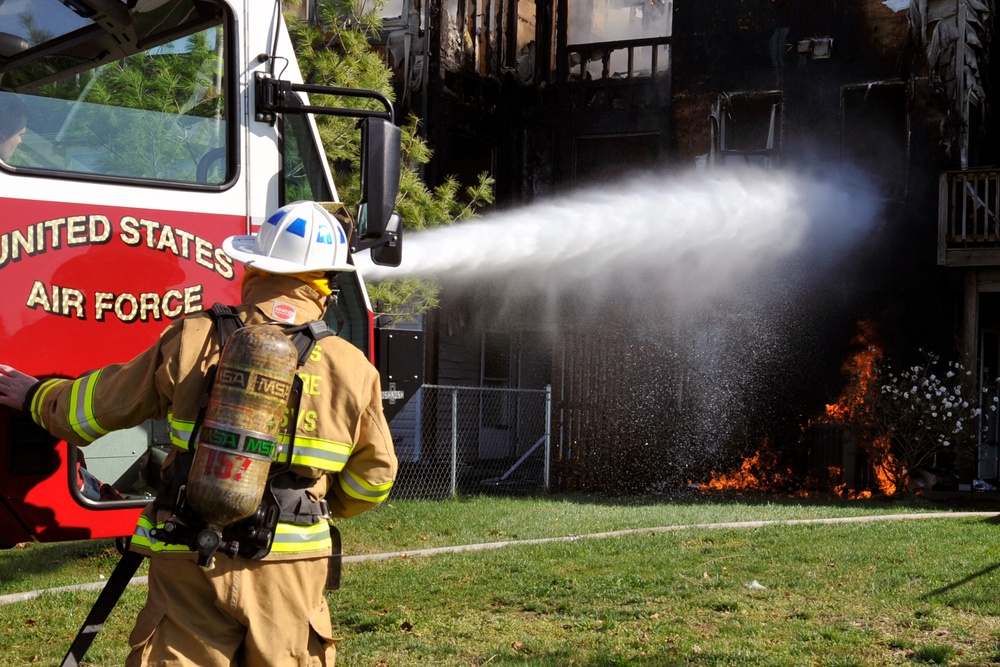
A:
265	608
13	124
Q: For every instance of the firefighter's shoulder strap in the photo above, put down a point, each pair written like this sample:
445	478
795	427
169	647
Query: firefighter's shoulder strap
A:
304	336
106	601
226	320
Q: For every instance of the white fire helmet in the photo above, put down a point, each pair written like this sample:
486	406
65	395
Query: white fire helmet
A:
298	237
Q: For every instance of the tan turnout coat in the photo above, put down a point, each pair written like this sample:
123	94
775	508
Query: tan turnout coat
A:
342	440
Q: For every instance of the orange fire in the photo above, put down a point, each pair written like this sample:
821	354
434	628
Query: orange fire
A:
879	451
861	368
851	494
760	472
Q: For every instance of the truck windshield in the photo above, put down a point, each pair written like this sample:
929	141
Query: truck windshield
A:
156	113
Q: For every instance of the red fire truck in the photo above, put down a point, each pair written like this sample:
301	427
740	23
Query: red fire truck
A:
155	129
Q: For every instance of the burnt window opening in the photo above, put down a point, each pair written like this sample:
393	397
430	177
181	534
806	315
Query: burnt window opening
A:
519	52
618	20
489	37
463	44
746	129
613	39
875	134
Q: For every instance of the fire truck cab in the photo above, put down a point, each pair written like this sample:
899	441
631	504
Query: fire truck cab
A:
155	129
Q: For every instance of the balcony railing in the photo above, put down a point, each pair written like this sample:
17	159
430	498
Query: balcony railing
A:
969	218
642	58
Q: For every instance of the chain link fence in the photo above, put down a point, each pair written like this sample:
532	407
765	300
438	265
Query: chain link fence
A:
472	440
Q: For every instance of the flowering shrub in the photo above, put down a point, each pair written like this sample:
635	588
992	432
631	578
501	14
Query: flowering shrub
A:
916	413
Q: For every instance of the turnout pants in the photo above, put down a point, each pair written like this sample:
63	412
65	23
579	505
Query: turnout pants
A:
242	613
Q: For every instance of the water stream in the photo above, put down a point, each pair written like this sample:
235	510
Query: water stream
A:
726	289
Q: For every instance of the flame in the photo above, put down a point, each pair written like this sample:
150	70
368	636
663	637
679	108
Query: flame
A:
760	472
883	463
851	494
861	368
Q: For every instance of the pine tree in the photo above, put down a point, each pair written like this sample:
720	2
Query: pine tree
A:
337	52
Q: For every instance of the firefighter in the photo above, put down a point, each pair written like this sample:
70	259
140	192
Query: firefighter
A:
265	609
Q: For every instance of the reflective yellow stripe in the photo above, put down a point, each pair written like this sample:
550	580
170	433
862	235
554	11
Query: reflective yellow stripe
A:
141	537
81	412
290	538
358	488
38	400
180	431
316	453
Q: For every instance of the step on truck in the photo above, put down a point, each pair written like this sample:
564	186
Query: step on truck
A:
155	129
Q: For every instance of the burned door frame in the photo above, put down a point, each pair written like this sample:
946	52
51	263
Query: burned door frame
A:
867	154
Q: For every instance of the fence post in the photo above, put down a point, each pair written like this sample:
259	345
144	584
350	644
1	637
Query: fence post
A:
548	434
454	442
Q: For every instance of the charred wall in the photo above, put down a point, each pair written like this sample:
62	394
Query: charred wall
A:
806	50
774	82
853	89
524	107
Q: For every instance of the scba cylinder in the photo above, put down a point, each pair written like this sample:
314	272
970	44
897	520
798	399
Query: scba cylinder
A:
238	440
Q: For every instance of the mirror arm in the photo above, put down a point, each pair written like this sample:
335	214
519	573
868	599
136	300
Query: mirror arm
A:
387	238
390	237
388	249
274	96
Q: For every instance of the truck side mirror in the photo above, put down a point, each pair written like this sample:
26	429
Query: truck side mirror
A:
380	164
390	251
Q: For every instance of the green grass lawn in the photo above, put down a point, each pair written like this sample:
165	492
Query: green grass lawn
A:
878	593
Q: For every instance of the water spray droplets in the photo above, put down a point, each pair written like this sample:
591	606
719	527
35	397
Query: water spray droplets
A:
711	292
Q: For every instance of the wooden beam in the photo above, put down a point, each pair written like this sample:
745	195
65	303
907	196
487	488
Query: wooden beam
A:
970	319
971	257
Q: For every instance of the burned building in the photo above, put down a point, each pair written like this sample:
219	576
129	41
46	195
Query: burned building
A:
551	95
